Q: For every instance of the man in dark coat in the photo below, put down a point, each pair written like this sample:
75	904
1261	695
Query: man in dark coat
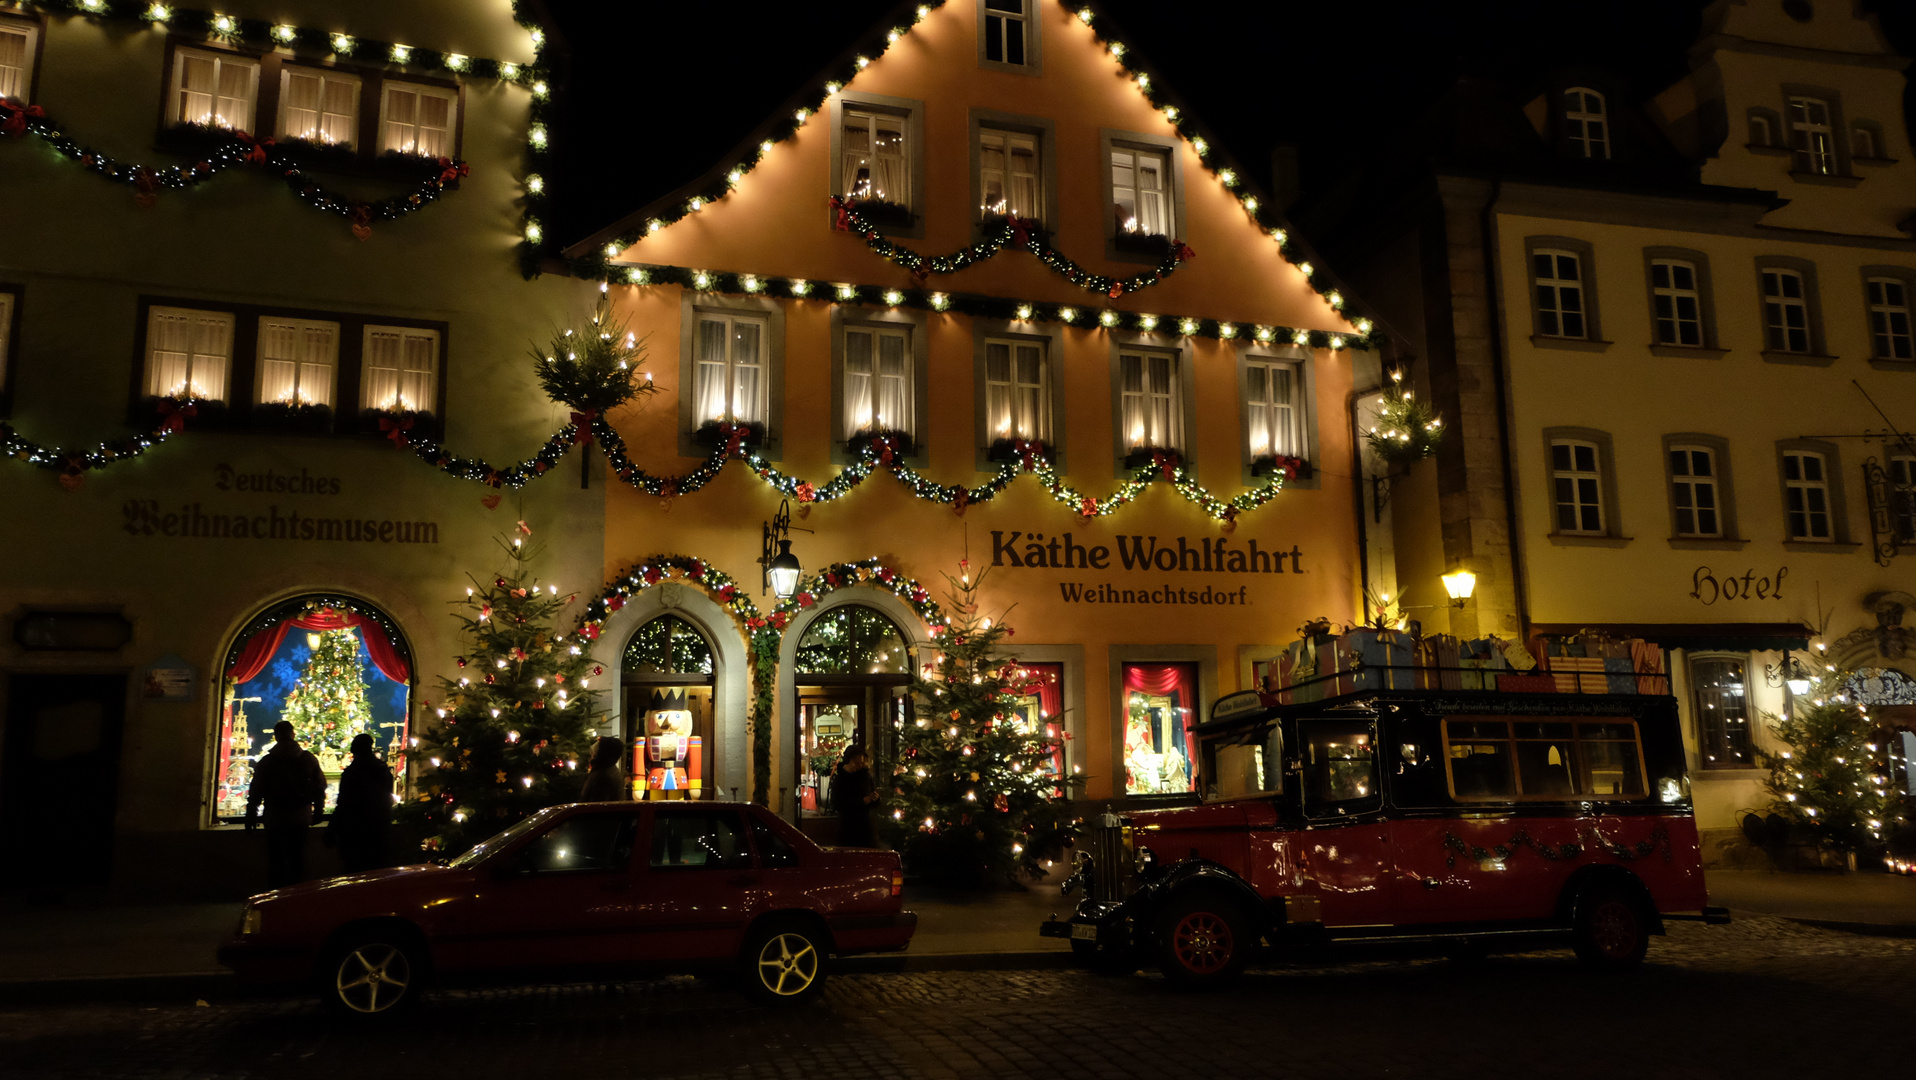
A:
364	809
288	781
852	797
604	779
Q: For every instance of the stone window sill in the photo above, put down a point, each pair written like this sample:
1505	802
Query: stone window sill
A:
1884	364
1582	540
1821	547
1765	148
1824	179
1544	341
1703	543
1688	352
1804	359
1873	160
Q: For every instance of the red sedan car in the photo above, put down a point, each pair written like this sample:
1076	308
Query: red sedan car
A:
715	885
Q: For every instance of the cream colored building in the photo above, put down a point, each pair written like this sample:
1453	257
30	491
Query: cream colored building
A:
1672	342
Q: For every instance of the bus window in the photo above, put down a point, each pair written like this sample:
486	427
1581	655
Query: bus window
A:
1340	767
1502	761
1253	767
1611	764
1479	758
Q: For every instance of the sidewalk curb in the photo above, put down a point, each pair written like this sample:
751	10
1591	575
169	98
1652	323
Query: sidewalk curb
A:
1894	930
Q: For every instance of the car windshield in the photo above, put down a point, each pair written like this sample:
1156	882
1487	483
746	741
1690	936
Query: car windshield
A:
480	851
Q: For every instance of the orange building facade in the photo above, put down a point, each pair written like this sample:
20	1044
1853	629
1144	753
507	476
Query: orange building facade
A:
1101	406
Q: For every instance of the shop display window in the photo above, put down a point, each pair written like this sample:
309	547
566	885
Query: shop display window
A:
669	681
1039	711
334	668
1160	708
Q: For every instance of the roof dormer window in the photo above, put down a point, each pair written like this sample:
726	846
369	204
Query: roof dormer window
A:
1586	123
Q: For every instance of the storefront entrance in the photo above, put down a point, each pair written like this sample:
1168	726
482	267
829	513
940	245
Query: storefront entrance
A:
62	778
668	679
853	682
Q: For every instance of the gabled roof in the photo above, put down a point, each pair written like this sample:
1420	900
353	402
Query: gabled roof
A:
591	257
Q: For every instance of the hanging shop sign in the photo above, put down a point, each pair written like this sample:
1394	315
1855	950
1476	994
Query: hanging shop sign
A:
1146	555
1706	587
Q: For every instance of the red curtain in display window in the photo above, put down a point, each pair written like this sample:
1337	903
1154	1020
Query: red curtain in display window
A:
1160	708
259	649
1046	685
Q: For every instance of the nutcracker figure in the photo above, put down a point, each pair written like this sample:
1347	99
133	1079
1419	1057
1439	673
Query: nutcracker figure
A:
668	755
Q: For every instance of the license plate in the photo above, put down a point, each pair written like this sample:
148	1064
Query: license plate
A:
1083	932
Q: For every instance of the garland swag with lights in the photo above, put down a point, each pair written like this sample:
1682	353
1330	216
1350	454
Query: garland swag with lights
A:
233	150
515	729
1832	784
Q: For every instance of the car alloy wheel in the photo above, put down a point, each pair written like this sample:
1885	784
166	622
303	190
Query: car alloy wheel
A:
373	978
787	964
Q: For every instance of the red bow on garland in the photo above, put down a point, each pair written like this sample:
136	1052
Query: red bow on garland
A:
842	220
450	170
1027	451
1183	251
734	437
582	425
17	116
174	414
1167	462
396	428
255	148
1020	229
1287	467
886	445
1116	290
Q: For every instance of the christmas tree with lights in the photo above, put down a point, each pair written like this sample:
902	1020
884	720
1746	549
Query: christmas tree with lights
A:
515	729
1832	783
327	706
975	798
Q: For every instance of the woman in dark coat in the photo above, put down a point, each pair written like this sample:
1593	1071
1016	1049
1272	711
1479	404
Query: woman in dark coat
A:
853	796
604	779
363	810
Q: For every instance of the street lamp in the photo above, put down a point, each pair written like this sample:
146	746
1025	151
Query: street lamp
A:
781	566
1459	583
1791	673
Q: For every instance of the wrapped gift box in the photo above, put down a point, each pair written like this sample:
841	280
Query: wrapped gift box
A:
1386	658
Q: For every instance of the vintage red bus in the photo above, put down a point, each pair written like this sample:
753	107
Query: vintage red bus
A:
1468	820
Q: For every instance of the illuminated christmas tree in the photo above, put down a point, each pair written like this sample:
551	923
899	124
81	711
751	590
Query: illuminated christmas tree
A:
327	706
975	798
1833	781
516	727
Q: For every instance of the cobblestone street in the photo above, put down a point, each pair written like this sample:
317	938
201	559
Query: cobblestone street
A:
1763	997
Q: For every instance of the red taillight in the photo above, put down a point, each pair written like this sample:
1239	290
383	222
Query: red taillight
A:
897	883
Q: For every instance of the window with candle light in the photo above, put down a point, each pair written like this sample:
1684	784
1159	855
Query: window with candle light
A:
214	89
399	369
319	105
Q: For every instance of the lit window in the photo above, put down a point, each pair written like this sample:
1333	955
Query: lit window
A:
1786	312
401	369
1810	136
1693	491
1679	307
1017	391
876	166
1141	191
878	365
1150	405
1271	399
215	89
188	353
729	380
1006	24
297	361
1806	495
16	60
1889	318
1008	176
1585	123
1160	709
416	119
319	106
1723	713
1579	485
1560	307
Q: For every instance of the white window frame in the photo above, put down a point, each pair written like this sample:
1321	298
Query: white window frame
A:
1778	333
1158	423
1552	315
1889	320
1668	299
1812	138
1165	210
1007	175
730	412
1802	495
221	61
1586	488
1690	491
851	117
326	77
413	388
874	380
1005	422
402	136
1273	428
1588	128
206	374
1001	27
16	81
315	365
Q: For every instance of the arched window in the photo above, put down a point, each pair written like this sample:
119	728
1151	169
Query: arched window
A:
1586	122
852	640
669	677
668	646
333	667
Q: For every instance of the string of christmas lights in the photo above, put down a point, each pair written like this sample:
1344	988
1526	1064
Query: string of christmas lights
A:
74	464
235	149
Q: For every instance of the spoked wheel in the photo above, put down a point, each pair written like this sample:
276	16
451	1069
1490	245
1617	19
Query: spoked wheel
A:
1203	941
374	977
1612	933
784	964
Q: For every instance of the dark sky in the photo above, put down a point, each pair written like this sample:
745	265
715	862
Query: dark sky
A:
660	91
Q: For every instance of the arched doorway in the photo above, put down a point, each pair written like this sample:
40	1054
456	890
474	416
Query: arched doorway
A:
669	675
332	666
852	677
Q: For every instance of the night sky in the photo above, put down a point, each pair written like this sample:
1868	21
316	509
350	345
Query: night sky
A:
660	91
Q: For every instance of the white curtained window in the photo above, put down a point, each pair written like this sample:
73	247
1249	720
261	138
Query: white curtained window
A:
1017	391
401	369
1270	398
188	353
216	89
1008	173
875	165
1149	405
16	60
877	380
319	106
297	359
1140	191
729	374
418	119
